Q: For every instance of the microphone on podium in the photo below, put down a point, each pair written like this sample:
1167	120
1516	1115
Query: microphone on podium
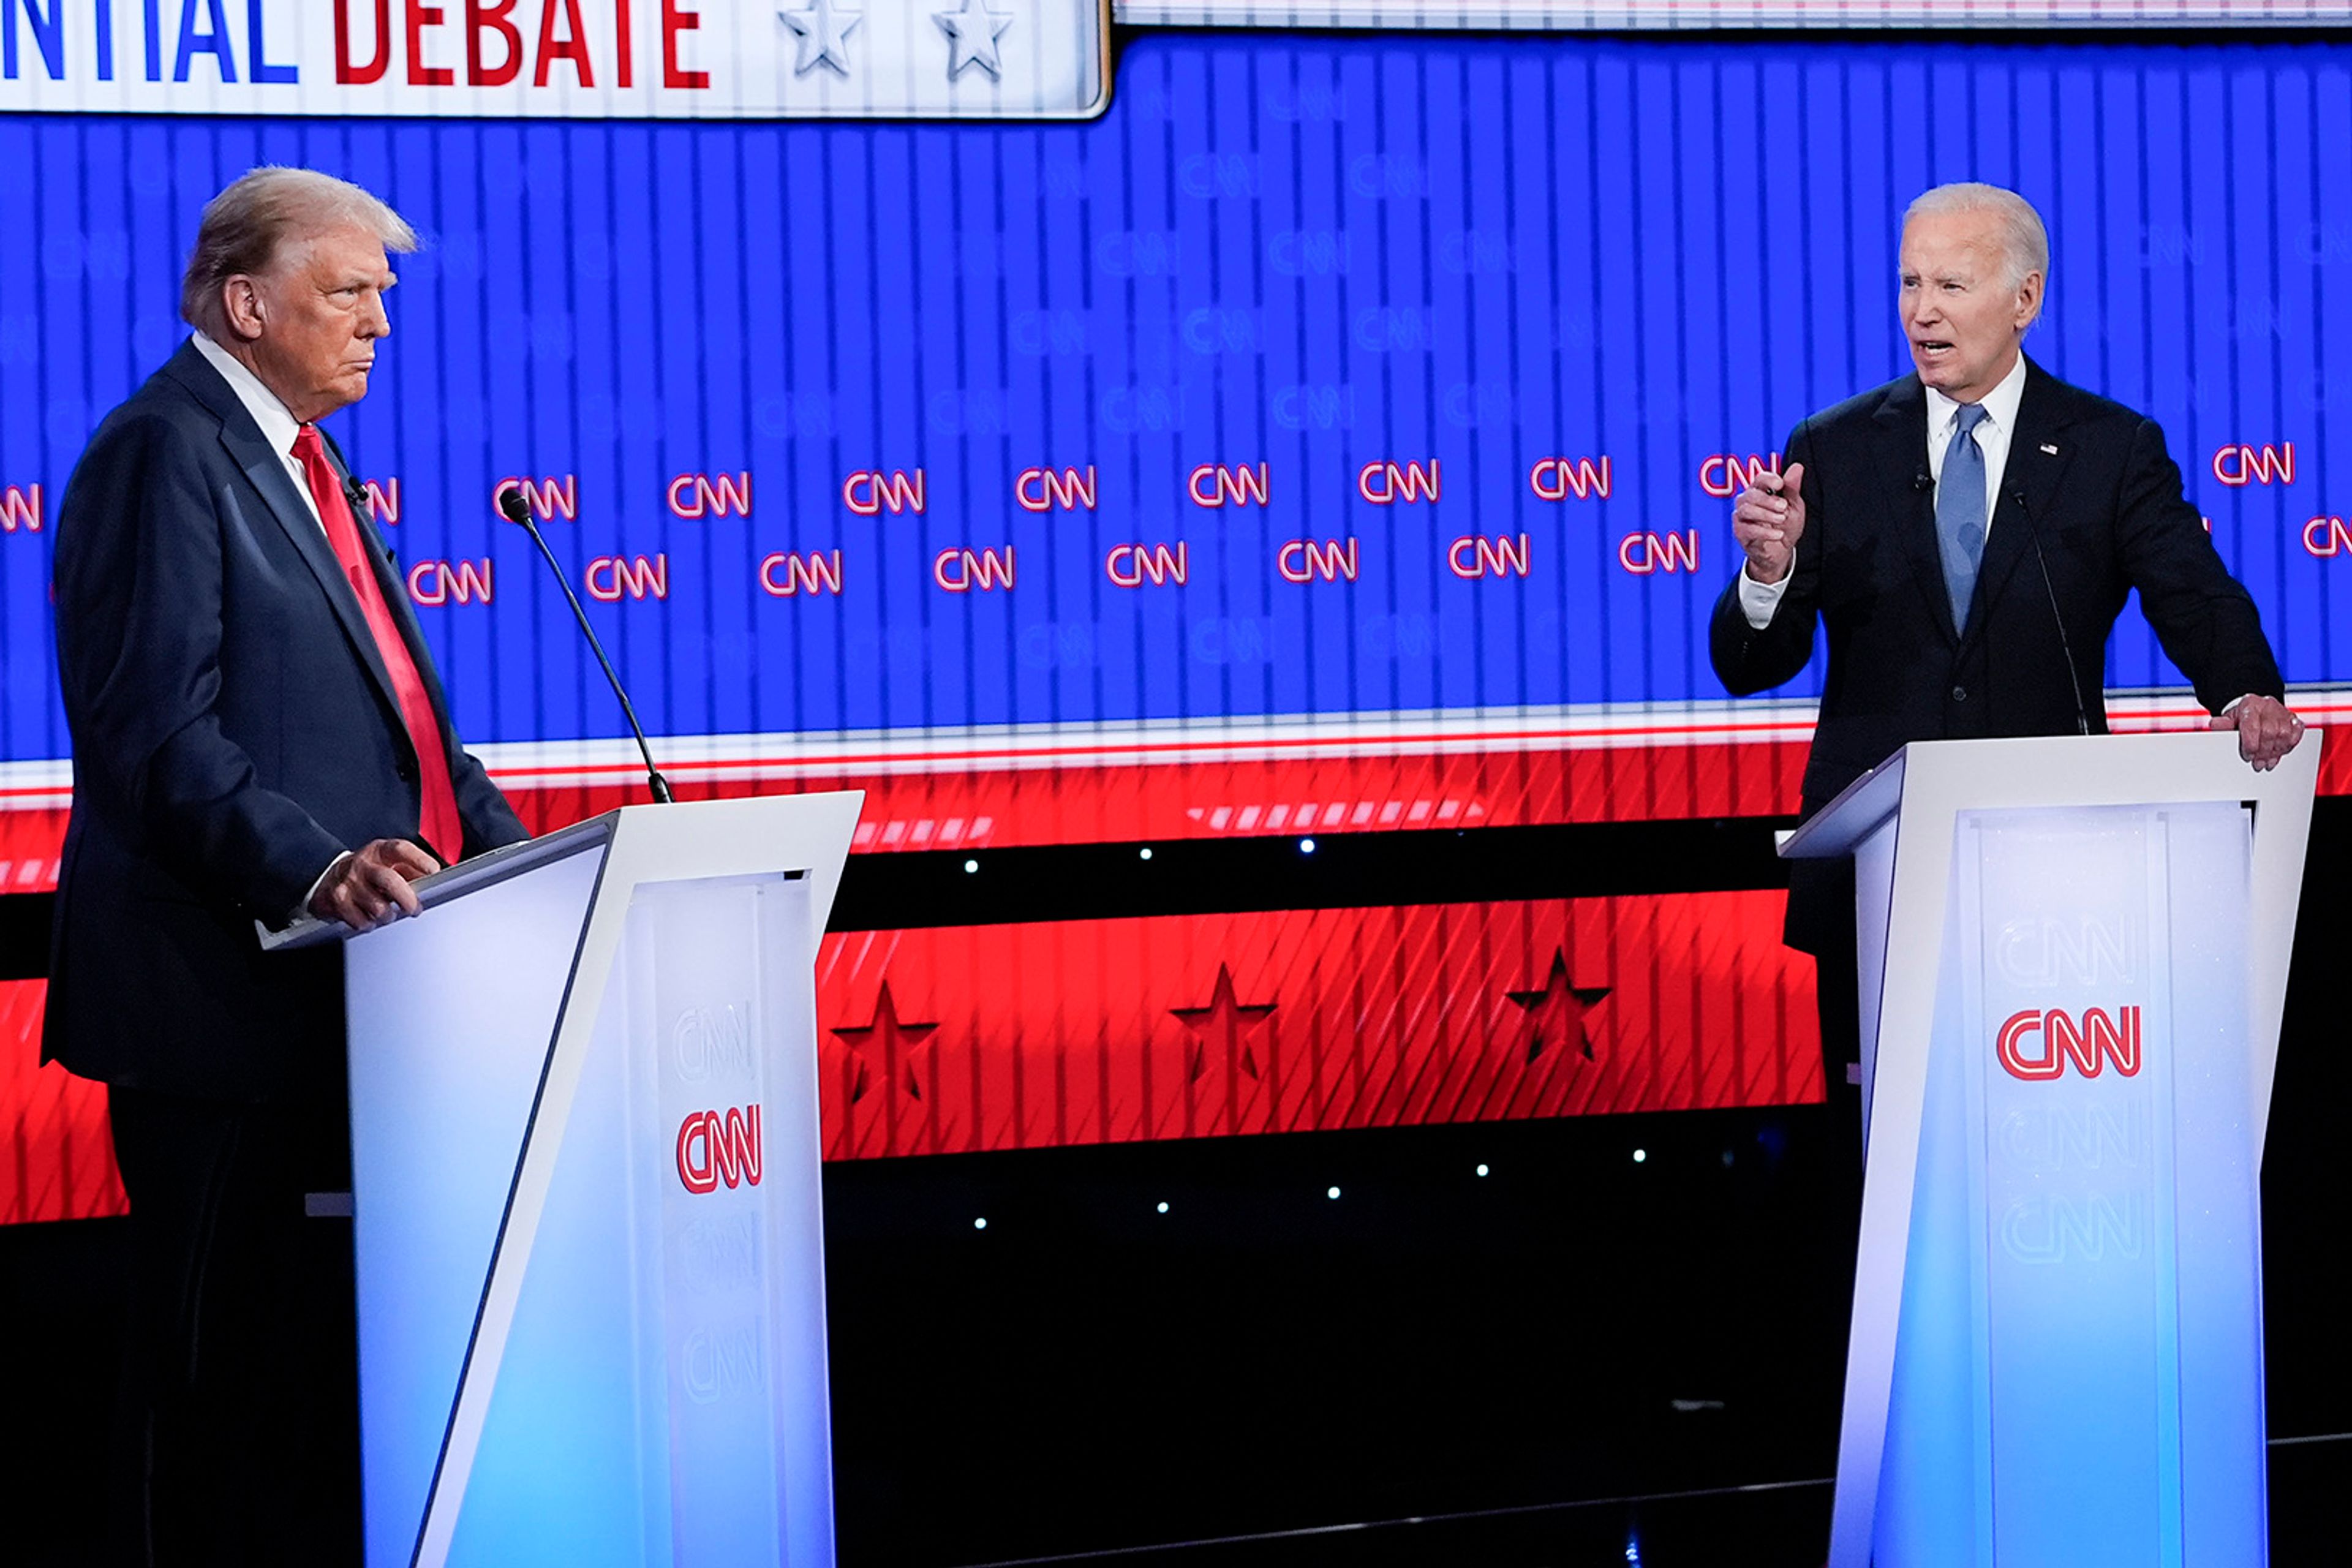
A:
2057	615
517	508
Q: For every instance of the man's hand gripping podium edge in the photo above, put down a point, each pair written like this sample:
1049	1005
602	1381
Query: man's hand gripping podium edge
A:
370	887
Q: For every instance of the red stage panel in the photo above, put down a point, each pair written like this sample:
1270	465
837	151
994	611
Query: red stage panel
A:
940	804
962	808
30	842
1022	1037
1107	1031
56	1160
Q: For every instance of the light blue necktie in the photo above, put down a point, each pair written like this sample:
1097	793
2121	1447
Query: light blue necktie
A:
1960	512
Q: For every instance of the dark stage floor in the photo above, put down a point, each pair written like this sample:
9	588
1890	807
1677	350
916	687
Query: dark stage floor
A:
1573	1359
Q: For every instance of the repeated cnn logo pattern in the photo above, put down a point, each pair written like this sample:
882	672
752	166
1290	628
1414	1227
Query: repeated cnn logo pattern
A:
1391	293
1180	1026
1321	376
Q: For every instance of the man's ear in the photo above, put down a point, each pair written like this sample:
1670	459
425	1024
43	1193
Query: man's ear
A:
242	306
2029	300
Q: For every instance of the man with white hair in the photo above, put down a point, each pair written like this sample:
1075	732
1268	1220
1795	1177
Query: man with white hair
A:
257	732
1943	528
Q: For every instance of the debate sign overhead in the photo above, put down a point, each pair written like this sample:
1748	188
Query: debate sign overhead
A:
578	60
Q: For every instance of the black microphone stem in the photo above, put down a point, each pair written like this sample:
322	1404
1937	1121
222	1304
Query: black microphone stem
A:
2081	714
517	509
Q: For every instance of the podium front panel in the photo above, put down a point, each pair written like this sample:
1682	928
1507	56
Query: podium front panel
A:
660	1396
588	1192
2077	1370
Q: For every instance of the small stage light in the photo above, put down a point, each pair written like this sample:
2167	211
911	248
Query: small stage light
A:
1639	1156
979	1224
1332	1194
1482	1169
1307	847
1163	1208
1145	853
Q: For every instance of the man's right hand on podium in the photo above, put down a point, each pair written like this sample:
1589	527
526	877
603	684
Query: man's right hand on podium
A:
370	887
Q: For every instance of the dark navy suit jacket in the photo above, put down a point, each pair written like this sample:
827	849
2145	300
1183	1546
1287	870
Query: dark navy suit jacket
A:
234	731
2092	479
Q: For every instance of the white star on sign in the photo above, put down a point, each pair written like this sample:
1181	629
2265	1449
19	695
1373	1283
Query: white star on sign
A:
823	29
972	31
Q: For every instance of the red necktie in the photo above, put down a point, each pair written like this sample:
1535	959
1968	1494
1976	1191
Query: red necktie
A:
439	825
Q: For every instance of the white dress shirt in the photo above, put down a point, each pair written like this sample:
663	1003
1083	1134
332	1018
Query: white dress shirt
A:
279	426
1992	434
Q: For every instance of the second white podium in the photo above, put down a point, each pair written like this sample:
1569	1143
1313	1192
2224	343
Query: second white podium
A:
2073	959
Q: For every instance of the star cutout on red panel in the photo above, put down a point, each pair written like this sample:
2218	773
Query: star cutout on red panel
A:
894	1038
860	1081
1226	1024
1558	1010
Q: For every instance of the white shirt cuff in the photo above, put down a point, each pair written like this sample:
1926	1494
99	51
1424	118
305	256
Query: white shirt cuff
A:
333	866
1757	601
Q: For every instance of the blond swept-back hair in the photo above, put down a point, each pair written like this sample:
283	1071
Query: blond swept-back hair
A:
247	227
2023	241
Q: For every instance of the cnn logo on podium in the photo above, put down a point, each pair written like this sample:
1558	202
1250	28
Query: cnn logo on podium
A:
2089	1042
715	1147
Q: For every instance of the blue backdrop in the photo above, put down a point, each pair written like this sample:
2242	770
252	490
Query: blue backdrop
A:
1311	253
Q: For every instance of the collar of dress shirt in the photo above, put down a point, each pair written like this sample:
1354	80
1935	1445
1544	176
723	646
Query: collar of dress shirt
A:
279	425
1999	406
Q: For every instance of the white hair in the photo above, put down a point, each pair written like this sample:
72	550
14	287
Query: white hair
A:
2024	243
246	228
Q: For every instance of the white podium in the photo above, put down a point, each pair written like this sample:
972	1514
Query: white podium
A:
2074	957
586	1203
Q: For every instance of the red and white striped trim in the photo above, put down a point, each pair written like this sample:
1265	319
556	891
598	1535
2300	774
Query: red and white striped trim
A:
715	759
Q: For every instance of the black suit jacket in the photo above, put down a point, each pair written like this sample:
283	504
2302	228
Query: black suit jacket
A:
234	731
2092	480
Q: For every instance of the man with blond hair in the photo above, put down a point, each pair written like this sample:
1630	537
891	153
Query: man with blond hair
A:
1966	536
257	733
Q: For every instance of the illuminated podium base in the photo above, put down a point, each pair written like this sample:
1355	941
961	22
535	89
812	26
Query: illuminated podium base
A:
2074	957
586	1210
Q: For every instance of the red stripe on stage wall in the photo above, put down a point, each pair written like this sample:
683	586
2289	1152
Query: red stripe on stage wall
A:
1035	1035
1068	1032
1102	1031
1004	808
1164	801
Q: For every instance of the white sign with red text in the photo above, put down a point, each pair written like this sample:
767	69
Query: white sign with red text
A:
1625	16
581	59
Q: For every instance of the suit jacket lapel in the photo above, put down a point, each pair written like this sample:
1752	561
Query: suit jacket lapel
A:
266	471
1902	421
2036	459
